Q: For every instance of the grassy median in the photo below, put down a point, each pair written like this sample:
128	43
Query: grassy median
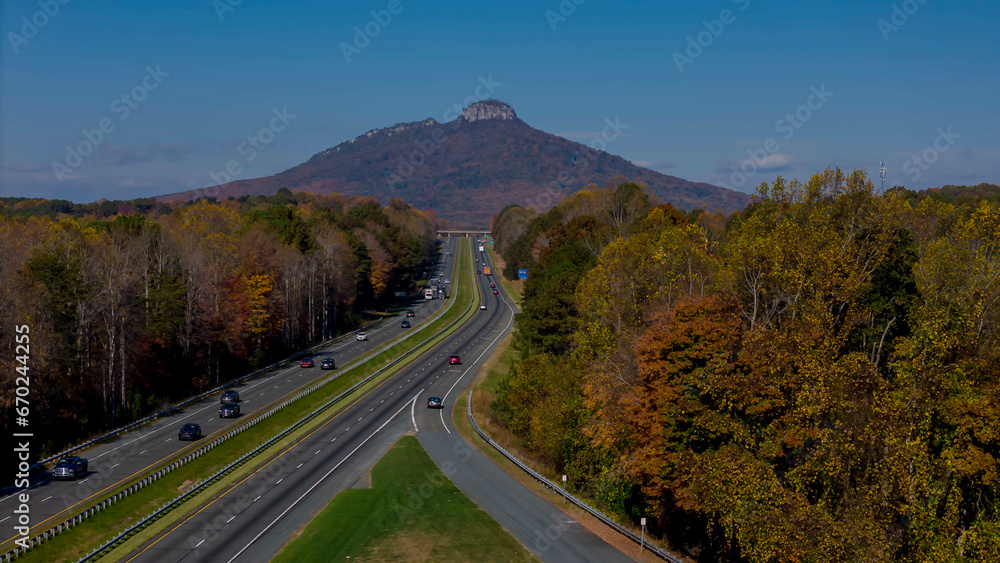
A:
411	513
95	531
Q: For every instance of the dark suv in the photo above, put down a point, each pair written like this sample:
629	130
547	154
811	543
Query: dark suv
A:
231	396
328	363
189	431
229	410
70	467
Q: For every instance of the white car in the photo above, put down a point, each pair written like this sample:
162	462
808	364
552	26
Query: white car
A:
482	307
362	336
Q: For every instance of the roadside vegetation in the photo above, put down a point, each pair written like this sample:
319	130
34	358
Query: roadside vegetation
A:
411	513
95	531
815	378
132	307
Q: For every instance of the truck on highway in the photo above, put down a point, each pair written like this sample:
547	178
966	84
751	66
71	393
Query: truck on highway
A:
486	270
428	294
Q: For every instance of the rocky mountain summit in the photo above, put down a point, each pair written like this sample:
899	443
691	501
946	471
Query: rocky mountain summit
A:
488	109
469	168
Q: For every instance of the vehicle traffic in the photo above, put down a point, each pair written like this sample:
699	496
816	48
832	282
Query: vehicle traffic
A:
306	363
230	396
70	467
189	431
327	363
362	337
231	410
435	403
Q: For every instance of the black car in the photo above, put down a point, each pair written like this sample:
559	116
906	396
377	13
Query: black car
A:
231	410
70	467
410	313
434	403
404	324
328	363
189	431
232	396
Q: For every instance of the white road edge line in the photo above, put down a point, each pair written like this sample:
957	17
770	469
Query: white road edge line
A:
488	348
321	479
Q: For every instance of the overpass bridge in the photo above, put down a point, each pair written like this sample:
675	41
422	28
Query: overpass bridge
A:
464	232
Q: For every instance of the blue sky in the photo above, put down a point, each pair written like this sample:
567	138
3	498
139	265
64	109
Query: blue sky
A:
731	92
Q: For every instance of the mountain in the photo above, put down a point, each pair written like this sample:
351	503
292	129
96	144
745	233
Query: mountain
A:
469	168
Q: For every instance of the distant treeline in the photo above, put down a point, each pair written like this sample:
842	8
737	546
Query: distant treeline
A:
815	378
135	304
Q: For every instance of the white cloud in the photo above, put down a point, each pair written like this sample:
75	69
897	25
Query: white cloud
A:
770	163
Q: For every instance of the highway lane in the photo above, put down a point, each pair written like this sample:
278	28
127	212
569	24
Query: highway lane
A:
120	460
254	517
540	526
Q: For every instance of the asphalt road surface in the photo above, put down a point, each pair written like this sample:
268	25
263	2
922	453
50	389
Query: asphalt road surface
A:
120	460
253	518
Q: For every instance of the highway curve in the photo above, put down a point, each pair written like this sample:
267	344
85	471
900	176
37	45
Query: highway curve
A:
127	457
254	517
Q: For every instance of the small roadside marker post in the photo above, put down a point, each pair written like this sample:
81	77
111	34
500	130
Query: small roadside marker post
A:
642	538
564	489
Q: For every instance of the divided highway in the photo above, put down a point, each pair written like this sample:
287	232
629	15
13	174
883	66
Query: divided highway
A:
130	456
250	520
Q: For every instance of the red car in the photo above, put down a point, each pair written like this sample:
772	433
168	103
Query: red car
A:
496	292
492	284
454	360
306	363
478	272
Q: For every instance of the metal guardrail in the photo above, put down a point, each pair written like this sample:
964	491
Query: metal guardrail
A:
162	511
592	511
41	463
13	553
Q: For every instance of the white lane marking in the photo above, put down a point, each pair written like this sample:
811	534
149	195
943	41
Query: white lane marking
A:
115	465
46	498
230	519
317	452
5	519
321	479
413	416
445	398
280	480
199	543
142	452
167	440
300	465
258	498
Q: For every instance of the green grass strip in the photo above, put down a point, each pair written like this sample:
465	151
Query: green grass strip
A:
82	539
413	512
